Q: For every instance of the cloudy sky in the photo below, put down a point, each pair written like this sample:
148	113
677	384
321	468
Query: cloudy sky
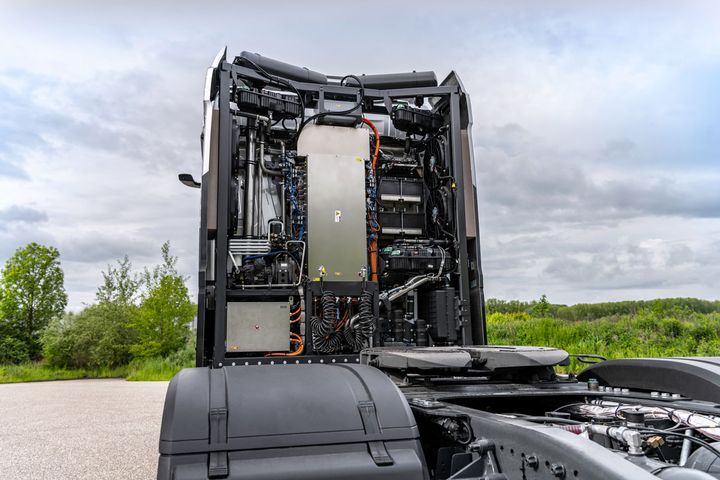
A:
597	128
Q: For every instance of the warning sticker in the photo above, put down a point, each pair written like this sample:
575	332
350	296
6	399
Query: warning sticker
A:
338	216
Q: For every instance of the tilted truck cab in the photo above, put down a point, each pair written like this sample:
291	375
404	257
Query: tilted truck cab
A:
341	323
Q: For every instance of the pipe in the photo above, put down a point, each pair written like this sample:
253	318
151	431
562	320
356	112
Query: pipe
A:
392	295
251	116
259	203
685	451
270	171
396	80
285	70
628	436
249	219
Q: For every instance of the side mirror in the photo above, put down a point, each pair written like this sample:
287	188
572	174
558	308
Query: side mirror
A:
188	180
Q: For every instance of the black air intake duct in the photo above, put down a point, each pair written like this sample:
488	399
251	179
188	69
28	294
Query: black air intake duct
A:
285	70
386	81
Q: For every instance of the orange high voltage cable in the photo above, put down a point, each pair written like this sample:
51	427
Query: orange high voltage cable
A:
377	140
294	338
297	312
373	242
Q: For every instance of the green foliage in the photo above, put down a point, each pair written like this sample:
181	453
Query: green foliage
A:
162	323
646	333
138	328
98	337
541	308
165	313
119	286
40	371
145	369
159	368
679	307
32	292
13	351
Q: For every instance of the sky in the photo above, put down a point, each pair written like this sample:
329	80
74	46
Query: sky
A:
596	133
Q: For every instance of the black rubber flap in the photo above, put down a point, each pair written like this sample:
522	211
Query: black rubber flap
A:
282	406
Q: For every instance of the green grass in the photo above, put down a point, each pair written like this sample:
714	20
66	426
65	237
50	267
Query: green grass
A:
39	371
646	333
150	369
156	369
141	369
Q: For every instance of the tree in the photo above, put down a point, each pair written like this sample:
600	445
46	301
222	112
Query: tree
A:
542	307
101	334
98	336
119	286
13	350
162	323
32	292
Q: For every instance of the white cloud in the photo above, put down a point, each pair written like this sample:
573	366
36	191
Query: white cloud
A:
593	135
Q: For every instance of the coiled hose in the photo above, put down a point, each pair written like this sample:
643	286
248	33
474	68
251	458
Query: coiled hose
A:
325	339
358	334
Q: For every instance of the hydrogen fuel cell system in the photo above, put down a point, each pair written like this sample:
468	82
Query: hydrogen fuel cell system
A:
341	328
338	213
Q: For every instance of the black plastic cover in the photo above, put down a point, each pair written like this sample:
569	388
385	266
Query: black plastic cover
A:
437	307
415	120
308	412
695	377
414	259
265	103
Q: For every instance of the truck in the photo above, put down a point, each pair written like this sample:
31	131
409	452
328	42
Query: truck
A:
341	328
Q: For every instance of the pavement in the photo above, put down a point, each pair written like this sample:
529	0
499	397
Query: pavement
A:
80	429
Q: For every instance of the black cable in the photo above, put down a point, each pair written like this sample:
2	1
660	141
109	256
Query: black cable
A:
705	444
340	113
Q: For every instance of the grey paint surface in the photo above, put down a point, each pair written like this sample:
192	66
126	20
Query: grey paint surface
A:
80	429
258	326
336	199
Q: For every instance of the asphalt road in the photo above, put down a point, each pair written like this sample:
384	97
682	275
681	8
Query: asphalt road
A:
80	429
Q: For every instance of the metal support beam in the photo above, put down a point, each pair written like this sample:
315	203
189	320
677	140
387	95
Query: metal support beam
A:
223	210
457	172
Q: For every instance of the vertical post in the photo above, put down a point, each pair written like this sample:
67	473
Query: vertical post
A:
479	322
223	207
457	172
202	279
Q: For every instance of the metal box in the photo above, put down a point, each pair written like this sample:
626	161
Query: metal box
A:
337	235
258	327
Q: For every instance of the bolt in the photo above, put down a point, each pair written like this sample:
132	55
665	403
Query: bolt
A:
557	470
532	461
